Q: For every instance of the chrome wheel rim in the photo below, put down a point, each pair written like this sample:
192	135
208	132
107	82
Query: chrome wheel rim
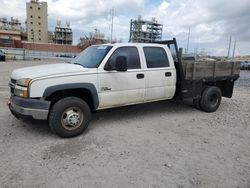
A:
72	118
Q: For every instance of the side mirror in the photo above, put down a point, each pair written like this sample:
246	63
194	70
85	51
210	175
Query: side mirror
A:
121	64
107	67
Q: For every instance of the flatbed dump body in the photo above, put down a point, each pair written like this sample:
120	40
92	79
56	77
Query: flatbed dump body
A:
200	70
193	77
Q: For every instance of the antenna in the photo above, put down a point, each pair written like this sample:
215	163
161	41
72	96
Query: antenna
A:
112	24
188	39
229	47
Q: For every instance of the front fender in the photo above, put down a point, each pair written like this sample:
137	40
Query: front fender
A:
90	87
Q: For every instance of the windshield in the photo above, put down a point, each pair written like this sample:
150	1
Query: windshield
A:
92	56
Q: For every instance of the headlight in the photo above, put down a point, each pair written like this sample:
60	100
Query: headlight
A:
23	82
21	87
21	91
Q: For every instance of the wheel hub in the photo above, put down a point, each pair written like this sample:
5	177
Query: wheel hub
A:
214	99
72	118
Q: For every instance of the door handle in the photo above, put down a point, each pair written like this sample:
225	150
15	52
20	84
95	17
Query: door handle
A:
140	76
168	74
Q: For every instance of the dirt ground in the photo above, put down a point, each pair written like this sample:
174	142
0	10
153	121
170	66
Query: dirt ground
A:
163	144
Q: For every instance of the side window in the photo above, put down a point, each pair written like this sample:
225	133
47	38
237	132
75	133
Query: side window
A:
133	59
156	57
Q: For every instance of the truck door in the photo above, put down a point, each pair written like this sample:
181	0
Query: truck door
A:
160	74
122	88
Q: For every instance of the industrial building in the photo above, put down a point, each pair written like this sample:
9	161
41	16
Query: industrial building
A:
63	34
10	32
12	24
145	31
37	21
36	37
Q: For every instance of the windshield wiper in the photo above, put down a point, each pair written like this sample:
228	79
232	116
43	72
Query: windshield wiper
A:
78	64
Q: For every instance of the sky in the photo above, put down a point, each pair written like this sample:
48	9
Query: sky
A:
211	22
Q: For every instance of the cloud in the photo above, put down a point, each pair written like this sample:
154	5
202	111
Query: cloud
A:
212	22
89	10
14	9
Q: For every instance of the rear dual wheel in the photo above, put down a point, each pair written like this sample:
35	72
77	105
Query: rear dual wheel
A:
210	99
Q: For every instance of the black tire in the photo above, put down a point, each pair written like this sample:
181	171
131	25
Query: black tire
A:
69	117
197	103
210	99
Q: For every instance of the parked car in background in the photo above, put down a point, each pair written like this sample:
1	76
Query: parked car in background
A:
245	65
2	56
248	65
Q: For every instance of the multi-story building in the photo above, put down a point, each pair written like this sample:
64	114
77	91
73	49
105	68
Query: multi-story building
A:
63	34
10	32
11	25
37	21
145	31
50	37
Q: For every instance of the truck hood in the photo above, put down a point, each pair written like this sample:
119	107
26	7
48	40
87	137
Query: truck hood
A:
47	70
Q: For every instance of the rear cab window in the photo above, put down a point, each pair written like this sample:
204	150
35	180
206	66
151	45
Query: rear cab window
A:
156	57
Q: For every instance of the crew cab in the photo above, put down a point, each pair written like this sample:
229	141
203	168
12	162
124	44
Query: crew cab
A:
113	75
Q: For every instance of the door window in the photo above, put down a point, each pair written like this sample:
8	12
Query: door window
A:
132	55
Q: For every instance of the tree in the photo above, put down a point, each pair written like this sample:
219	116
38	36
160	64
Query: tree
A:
93	38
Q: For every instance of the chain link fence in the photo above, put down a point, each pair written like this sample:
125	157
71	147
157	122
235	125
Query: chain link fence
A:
24	54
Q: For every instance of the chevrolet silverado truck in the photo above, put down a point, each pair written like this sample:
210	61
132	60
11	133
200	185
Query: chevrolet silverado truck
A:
113	75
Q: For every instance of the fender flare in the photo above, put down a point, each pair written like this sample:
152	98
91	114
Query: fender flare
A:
88	86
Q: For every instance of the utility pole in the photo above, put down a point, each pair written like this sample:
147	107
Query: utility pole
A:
188	39
112	24
234	48
229	47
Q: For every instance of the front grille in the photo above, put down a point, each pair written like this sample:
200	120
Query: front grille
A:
12	91
12	86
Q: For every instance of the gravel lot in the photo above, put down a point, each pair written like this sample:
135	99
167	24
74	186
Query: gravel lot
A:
163	144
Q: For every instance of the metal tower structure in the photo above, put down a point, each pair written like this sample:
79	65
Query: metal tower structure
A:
63	34
145	31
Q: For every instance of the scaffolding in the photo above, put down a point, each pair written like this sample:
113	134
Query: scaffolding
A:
145	31
63	34
12	24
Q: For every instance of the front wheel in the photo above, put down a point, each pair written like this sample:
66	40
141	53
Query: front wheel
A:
69	117
210	99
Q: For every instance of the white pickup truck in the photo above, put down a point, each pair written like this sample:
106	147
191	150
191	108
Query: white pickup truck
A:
113	75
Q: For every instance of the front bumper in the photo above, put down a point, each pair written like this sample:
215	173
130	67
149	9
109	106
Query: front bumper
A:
35	108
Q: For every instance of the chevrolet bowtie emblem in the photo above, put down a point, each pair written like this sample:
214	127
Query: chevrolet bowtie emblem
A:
105	89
